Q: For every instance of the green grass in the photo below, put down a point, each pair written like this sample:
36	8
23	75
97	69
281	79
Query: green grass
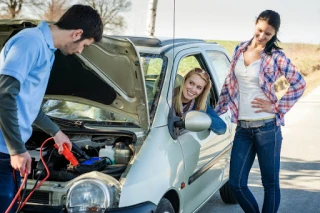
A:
228	45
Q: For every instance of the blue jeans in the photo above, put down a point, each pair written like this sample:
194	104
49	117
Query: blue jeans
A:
8	187
265	141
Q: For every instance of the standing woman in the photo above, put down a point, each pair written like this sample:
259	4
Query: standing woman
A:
249	93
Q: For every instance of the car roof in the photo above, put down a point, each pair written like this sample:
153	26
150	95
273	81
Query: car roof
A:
159	45
158	42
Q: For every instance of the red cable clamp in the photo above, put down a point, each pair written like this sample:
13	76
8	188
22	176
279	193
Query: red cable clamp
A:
68	154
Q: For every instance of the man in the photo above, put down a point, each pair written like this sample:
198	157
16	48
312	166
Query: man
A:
25	64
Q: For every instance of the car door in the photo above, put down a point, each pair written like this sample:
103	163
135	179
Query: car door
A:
219	63
201	150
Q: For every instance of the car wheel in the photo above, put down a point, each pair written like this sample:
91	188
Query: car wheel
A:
165	206
226	194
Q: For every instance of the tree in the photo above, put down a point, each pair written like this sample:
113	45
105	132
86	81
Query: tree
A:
151	19
14	7
54	9
110	12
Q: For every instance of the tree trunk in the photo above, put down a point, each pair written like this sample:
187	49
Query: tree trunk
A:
151	19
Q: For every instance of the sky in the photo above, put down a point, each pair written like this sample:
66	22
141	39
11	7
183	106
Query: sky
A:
226	20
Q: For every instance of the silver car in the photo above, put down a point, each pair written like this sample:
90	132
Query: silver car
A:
114	101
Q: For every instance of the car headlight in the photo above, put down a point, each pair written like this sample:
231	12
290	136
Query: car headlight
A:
88	195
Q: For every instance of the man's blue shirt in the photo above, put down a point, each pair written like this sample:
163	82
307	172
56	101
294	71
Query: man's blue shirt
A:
28	56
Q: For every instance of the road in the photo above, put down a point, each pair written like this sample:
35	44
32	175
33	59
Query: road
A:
300	163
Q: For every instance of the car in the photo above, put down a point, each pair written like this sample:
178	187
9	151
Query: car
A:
114	101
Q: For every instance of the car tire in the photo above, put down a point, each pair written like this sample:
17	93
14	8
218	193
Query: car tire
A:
165	206
226	194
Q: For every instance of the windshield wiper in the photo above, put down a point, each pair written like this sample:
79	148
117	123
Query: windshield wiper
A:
67	123
110	123
82	123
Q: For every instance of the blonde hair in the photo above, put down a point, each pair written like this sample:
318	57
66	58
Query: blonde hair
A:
201	100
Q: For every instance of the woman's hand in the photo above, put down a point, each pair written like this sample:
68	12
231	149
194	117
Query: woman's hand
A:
262	105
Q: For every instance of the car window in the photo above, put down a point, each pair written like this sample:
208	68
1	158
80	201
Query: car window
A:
220	63
185	65
153	66
188	63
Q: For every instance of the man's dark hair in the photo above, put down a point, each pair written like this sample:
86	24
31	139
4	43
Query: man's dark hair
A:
82	17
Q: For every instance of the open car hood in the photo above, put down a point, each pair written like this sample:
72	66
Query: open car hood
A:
107	74
117	62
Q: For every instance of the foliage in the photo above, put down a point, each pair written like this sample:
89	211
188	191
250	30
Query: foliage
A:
187	63
228	45
54	9
12	8
110	12
51	10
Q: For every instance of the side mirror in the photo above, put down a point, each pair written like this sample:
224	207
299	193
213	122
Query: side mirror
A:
195	121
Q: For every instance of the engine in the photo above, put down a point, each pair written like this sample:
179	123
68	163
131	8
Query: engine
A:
94	152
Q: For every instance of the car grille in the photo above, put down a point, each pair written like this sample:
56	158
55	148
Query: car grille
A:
39	197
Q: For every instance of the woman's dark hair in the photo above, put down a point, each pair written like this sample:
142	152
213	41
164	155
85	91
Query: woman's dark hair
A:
273	19
82	17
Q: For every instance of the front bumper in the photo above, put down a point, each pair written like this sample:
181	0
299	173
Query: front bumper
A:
146	207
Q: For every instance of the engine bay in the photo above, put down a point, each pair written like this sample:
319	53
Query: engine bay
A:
95	151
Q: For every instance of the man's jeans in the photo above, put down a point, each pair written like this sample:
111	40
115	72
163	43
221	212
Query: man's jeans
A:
265	141
8	187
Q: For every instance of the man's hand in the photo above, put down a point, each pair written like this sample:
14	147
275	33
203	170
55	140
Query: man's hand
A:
60	138
264	105
22	163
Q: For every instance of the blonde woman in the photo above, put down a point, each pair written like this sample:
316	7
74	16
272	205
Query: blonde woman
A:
192	95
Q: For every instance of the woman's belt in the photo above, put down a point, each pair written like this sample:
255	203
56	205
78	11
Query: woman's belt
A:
254	124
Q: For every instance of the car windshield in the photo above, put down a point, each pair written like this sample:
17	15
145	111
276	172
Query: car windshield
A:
152	66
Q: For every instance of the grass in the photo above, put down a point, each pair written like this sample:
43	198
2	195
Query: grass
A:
306	58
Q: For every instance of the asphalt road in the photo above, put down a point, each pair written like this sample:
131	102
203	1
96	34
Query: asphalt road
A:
300	163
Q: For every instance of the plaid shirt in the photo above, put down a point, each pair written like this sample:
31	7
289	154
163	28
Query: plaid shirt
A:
272	67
